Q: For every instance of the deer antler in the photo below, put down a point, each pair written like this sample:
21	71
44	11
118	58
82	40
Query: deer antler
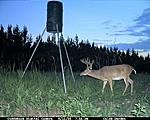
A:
87	62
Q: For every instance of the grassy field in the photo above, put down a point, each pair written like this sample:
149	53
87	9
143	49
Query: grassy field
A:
42	94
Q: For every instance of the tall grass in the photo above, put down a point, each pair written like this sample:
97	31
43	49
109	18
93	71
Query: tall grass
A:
42	94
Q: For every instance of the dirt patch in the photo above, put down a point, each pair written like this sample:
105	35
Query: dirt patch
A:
32	112
27	111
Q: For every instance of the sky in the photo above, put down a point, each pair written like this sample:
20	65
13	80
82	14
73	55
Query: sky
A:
105	22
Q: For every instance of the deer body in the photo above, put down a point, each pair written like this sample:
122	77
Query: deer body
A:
115	72
109	73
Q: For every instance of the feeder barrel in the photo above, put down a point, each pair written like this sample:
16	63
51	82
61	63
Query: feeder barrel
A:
54	16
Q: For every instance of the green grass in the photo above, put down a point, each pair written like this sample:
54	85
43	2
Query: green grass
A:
42	94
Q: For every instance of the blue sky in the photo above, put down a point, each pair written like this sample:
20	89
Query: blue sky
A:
101	21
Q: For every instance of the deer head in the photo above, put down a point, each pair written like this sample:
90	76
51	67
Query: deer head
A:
88	64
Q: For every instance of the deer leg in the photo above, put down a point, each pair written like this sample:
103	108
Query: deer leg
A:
110	83
104	84
131	82
126	83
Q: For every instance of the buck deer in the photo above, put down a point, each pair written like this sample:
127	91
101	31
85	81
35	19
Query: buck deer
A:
109	73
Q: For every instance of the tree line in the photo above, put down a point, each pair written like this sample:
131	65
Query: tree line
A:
16	47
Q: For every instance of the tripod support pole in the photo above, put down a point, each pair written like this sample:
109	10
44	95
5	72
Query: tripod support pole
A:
33	54
62	67
69	62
